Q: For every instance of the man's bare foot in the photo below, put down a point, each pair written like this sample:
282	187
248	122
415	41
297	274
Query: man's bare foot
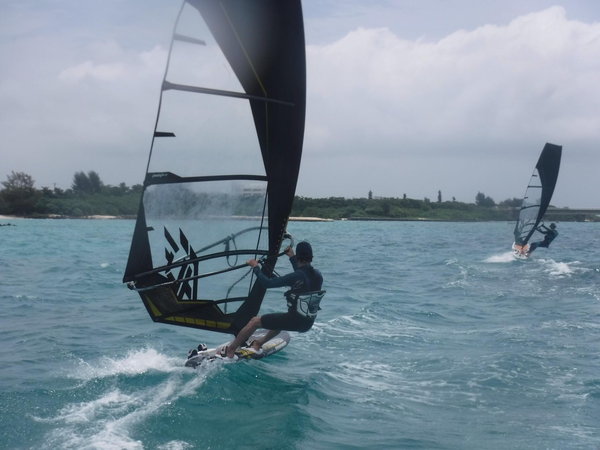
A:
227	352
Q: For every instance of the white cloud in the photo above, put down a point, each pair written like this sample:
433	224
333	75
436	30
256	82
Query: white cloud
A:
496	89
497	79
69	115
121	67
462	111
87	69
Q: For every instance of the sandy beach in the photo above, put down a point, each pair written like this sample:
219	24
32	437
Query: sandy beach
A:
57	216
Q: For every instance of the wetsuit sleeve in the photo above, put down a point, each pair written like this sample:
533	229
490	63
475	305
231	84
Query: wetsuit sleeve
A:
286	280
294	261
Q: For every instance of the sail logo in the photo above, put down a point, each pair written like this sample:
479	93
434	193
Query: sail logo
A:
187	275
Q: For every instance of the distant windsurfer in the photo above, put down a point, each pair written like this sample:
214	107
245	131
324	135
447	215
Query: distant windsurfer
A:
549	235
305	278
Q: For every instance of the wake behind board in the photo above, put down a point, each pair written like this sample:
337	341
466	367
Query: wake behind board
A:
270	347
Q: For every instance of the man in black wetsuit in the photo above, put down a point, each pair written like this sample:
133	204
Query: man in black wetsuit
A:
549	235
304	278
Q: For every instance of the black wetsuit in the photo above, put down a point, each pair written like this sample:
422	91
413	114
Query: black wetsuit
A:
302	279
550	235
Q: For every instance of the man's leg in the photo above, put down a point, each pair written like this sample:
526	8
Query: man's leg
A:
258	343
243	335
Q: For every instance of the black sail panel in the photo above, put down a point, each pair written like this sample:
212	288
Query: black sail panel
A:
548	167
264	43
538	193
215	196
140	259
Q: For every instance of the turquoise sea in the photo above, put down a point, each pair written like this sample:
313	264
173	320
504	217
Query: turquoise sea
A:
431	337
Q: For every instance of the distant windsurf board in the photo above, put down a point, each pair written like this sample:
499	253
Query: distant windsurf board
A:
520	251
273	346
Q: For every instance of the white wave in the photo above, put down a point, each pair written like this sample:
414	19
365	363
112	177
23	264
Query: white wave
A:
175	445
136	362
114	401
367	374
501	258
26	297
108	421
558	268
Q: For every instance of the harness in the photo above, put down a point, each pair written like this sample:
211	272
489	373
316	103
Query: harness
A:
305	302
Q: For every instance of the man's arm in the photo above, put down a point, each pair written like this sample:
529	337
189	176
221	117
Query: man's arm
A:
285	280
545	229
293	260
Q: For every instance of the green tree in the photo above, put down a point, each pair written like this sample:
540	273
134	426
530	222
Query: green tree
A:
386	207
511	202
19	194
95	182
81	183
482	200
89	183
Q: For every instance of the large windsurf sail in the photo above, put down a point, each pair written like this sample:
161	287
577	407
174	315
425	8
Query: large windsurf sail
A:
223	163
538	193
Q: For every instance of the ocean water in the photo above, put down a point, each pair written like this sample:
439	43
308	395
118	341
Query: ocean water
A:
431	337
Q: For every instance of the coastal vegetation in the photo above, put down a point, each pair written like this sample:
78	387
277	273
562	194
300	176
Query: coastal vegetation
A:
89	196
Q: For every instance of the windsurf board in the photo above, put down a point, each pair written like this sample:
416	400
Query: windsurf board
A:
273	346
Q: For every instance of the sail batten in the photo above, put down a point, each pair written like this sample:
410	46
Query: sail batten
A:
221	192
202	90
189	39
183	263
168	177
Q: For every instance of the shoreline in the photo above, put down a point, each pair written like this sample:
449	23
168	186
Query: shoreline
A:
310	219
296	219
59	217
108	217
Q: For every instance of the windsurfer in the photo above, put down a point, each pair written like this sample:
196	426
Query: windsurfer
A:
549	235
304	278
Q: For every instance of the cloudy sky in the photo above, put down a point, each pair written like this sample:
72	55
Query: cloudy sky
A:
404	96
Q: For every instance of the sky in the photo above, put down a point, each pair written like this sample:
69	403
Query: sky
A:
403	96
